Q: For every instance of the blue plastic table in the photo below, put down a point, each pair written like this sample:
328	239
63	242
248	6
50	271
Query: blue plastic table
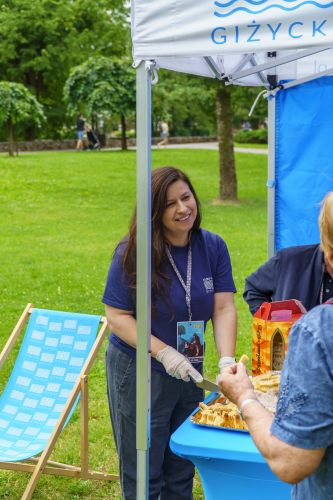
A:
229	464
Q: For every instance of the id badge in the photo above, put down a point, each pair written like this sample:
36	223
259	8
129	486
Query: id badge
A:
190	340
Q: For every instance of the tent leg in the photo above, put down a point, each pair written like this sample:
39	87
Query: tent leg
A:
271	177
143	305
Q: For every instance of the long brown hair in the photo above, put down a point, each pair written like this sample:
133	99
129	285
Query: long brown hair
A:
162	178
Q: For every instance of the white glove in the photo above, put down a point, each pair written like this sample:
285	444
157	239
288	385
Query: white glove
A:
225	361
177	365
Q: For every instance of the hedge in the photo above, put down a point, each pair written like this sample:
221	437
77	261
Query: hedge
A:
259	136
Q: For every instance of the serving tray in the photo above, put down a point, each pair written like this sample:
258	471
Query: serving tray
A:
216	399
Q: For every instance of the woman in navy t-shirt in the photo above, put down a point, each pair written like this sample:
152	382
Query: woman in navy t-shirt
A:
191	284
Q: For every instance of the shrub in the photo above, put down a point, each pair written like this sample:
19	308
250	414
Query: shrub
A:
259	136
129	134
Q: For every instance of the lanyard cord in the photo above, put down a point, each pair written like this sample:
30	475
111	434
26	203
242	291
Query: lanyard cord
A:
187	286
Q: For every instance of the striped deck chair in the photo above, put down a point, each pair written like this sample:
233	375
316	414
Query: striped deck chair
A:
50	373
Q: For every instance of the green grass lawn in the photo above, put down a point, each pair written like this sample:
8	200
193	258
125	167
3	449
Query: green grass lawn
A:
61	217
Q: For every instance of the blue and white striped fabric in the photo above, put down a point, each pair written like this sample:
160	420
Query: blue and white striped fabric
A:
53	352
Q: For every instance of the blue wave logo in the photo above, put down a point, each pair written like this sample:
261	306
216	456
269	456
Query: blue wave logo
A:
257	6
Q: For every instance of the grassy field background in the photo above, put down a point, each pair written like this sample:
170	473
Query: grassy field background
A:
61	217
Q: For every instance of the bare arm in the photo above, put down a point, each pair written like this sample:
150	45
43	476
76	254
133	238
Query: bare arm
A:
225	323
291	464
123	324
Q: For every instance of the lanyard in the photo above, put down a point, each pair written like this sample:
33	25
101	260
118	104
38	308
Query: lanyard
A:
187	286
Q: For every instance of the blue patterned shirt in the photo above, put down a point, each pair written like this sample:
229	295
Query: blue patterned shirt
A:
304	416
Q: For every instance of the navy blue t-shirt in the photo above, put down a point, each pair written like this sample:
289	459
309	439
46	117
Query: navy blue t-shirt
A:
211	273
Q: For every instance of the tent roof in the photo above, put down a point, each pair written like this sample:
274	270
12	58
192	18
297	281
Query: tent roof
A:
222	38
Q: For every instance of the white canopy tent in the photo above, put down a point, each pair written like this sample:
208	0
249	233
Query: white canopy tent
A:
245	42
232	39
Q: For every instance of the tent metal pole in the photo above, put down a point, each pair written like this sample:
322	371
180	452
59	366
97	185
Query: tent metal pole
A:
271	177
213	67
261	76
299	81
245	59
279	61
143	300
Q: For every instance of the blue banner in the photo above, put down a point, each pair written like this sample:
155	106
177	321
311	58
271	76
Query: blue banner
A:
304	160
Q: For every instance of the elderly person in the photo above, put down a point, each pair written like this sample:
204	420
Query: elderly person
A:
298	442
301	272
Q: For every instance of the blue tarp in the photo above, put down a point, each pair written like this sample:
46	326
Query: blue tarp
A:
304	160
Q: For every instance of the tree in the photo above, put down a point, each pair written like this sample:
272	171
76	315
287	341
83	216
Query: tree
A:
195	104
18	104
186	102
233	104
102	85
224	118
40	42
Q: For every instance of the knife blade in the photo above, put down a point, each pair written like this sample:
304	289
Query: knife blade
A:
208	386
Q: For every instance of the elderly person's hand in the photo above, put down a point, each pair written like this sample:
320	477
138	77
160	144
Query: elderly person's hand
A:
236	384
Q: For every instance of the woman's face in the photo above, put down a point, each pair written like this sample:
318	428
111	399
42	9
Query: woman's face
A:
180	213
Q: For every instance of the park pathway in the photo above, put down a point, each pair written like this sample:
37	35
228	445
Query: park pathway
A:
211	145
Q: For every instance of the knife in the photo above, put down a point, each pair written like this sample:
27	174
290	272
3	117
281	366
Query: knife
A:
208	386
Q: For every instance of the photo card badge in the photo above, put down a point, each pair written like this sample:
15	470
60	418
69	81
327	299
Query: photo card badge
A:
190	340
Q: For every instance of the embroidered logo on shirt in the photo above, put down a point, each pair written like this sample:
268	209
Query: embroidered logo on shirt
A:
209	284
289	405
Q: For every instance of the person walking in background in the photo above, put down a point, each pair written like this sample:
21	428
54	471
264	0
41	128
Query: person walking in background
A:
80	132
191	283
164	133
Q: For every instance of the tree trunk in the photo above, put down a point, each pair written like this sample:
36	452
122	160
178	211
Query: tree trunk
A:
11	143
35	82
228	179
123	132
30	133
93	121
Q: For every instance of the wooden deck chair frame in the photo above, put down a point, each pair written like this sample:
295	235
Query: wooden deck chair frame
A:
41	465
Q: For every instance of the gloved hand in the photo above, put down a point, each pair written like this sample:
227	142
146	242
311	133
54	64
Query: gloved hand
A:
177	365
226	361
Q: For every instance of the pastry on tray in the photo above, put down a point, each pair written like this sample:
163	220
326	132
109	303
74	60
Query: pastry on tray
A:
268	381
220	412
